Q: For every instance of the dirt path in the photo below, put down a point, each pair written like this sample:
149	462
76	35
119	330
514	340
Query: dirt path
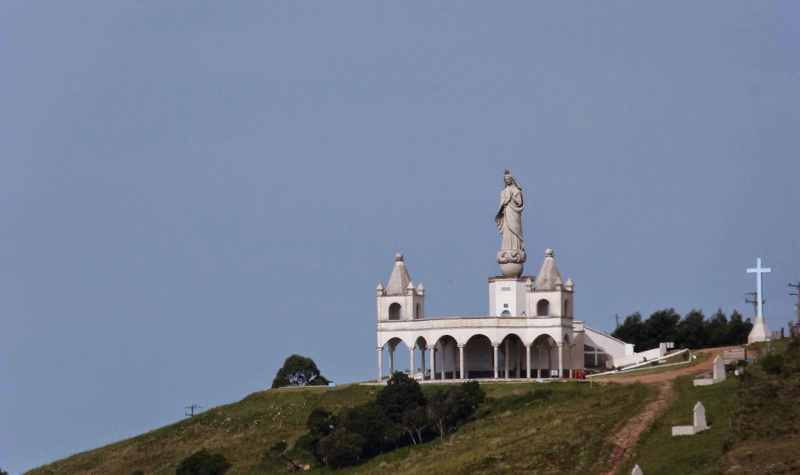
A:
627	436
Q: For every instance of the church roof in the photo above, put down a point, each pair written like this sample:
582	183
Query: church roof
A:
399	280
548	278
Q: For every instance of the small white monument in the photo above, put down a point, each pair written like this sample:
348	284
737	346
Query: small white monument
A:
718	374
637	470
699	422
760	331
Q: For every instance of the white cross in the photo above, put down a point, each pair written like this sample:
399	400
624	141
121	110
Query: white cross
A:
758	271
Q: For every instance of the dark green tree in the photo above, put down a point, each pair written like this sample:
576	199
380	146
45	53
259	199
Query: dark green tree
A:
299	371
370	422
718	329
341	448
693	332
454	406
203	463
3	472
631	330
400	394
662	326
738	329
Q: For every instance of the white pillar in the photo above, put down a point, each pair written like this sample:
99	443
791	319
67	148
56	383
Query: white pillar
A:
494	347
461	360
506	359
433	362
422	353
444	359
539	363
561	360
411	361
569	360
380	364
527	361
391	362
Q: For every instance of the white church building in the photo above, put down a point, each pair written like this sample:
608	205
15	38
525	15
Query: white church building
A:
529	332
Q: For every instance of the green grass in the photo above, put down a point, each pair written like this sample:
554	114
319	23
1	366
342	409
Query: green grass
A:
526	428
658	452
550	428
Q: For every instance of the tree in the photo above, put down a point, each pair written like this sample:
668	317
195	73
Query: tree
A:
738	330
631	330
718	329
660	327
693	332
341	448
3	472
401	394
370	422
203	463
299	371
452	407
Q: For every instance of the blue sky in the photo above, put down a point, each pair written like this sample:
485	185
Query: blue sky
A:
193	191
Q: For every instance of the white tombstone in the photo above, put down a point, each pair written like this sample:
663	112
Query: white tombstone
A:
700	415
637	470
699	422
718	375
719	369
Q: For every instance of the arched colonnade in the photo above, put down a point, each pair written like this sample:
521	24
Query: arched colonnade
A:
476	356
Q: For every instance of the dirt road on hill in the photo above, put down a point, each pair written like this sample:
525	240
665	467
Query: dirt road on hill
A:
627	436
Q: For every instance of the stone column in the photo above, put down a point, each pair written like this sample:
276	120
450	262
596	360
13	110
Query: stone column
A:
422	353
461	359
570	366
527	361
444	360
380	364
561	360
505	358
411	361
494	347
432	350
539	363
391	362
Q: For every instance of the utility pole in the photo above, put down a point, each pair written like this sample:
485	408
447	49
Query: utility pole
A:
797	307
754	302
616	316
192	408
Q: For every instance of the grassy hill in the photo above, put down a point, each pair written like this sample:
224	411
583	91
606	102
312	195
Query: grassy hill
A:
559	427
554	428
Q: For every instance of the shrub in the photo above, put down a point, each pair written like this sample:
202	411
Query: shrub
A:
340	448
772	363
203	463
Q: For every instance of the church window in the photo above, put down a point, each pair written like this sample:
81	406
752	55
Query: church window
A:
416	314
505	313
543	308
505	305
395	311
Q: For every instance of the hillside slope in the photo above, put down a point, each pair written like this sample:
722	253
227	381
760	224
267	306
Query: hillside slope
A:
553	428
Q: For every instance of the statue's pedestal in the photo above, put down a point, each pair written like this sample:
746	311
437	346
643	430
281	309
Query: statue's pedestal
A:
760	331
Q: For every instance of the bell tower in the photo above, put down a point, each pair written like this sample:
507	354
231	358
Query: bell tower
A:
400	301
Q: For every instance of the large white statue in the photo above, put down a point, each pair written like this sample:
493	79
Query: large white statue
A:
509	222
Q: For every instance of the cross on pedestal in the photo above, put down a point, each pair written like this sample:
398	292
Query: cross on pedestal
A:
758	271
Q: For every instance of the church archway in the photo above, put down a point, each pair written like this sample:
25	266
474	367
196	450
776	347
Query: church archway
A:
512	357
399	357
446	364
422	369
544	359
395	311
479	358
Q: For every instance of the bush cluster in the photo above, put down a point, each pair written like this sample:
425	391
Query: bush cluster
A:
399	416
